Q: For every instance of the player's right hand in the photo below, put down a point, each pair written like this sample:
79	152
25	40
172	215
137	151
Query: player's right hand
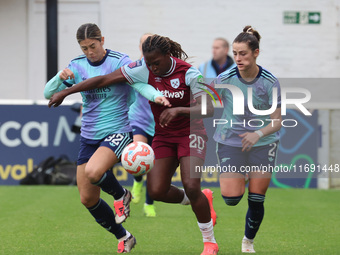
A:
66	74
162	101
57	98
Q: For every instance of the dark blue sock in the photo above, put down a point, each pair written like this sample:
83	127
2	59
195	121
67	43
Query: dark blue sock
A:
104	216
138	178
110	185
148	199
254	215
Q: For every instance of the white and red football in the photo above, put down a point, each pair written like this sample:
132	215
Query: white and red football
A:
138	158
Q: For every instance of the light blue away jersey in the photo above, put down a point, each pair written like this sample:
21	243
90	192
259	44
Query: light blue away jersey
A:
140	115
105	110
233	124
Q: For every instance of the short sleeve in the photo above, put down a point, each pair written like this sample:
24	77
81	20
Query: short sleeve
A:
136	72
195	80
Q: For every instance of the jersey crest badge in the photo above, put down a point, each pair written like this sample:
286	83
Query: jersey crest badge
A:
135	64
200	79
175	83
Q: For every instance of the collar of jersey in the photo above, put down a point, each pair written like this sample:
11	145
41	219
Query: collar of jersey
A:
101	61
249	82
172	68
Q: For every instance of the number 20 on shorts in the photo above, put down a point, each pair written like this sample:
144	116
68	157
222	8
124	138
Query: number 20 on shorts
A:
196	142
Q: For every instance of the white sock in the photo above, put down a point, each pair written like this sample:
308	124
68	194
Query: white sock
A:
185	200
127	235
246	238
207	230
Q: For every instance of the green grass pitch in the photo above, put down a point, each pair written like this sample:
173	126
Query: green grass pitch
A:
51	220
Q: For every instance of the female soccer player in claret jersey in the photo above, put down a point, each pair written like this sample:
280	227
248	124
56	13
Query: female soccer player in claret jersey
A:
105	129
248	143
178	128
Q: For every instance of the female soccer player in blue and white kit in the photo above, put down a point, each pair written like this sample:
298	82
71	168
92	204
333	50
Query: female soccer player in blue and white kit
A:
251	140
105	130
143	129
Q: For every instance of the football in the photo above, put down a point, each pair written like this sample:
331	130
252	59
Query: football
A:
138	158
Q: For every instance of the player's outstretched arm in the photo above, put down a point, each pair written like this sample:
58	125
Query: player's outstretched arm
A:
150	93
92	83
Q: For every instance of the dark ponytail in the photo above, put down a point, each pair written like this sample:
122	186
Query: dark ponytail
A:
164	45
249	36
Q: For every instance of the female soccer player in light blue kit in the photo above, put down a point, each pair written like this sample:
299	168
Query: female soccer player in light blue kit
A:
105	130
143	129
248	140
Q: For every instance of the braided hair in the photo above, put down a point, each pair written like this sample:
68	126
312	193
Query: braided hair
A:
164	45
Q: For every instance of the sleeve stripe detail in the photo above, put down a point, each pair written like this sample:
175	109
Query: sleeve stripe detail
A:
268	73
122	70
116	53
78	58
67	84
113	56
228	75
268	76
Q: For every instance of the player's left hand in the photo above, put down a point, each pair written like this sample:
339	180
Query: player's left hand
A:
167	116
249	139
162	101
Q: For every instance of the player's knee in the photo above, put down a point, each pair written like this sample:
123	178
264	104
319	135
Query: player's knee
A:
153	194
156	193
232	201
92	174
88	200
192	192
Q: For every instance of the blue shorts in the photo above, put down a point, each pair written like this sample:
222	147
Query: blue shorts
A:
116	142
259	158
139	131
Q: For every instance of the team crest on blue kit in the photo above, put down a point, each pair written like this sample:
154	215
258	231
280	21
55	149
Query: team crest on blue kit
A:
175	83
135	64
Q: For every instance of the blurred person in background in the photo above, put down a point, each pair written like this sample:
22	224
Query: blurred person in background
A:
220	62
